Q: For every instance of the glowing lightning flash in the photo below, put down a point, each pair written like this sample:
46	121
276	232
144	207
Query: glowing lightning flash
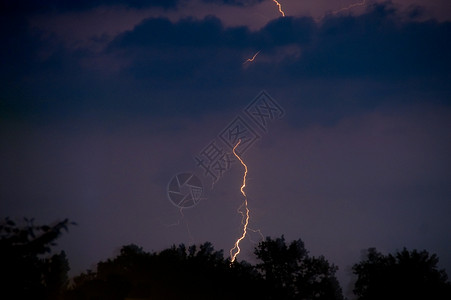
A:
245	216
280	7
253	57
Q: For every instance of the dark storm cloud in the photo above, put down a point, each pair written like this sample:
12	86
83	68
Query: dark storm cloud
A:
234	2
374	44
31	6
377	44
37	71
18	45
287	31
210	32
204	51
169	60
186	53
189	32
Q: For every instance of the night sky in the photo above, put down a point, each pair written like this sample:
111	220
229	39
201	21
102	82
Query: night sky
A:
103	102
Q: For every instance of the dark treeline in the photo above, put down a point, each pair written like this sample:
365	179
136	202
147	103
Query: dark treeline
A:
285	270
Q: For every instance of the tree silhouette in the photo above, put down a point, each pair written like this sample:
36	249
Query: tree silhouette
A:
290	273
24	273
200	272
404	275
196	272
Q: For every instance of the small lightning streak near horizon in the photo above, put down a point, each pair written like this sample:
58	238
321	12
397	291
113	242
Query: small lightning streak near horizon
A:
236	248
349	7
253	57
361	3
179	221
280	7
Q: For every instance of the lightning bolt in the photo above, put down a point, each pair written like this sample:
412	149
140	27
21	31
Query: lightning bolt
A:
179	221
253	57
236	249
280	7
351	6
362	3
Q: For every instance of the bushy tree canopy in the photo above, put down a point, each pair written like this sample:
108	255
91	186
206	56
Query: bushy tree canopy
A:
25	271
290	273
285	271
403	275
180	272
200	272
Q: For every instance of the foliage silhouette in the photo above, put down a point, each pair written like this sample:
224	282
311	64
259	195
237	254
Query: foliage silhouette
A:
175	273
200	272
404	275
25	274
284	271
290	273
